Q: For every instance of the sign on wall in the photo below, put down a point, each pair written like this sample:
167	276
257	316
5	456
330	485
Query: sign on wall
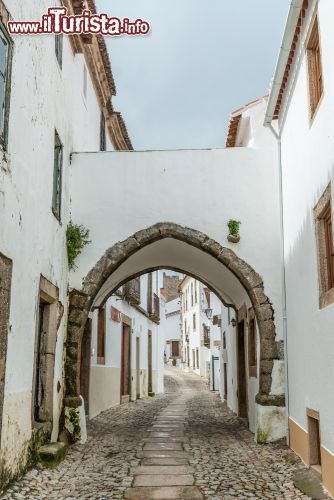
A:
115	314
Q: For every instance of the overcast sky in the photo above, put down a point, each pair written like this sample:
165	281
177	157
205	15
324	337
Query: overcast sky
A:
203	59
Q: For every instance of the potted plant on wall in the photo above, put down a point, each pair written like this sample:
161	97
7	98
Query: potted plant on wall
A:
233	226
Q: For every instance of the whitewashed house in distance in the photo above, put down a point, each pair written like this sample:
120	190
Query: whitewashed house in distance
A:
198	334
122	356
170	324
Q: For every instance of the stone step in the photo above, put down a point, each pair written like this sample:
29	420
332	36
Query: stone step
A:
163	480
162	454
167	428
165	461
164	493
162	469
166	434
170	418
176	408
176	413
162	446
171	439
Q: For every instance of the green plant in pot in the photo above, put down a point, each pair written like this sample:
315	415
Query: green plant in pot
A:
77	237
233	227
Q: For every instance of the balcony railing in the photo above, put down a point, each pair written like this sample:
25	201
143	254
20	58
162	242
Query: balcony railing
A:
131	291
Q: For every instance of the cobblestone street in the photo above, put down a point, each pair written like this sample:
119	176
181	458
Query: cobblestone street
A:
211	452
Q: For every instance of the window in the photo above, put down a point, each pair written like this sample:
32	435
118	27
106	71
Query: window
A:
252	345
196	293
59	49
328	231
194	321
313	51
57	177
192	295
194	365
324	234
101	336
103	145
85	82
5	73
197	358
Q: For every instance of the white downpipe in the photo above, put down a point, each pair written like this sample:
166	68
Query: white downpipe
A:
284	317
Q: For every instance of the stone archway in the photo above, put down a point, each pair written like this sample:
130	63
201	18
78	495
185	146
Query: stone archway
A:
81	302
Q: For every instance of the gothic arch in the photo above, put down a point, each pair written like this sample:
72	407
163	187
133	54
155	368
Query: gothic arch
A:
80	302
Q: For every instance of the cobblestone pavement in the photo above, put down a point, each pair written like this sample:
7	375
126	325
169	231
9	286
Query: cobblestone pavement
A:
224	460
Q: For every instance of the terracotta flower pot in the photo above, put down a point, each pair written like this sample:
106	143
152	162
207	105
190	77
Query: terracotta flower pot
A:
233	238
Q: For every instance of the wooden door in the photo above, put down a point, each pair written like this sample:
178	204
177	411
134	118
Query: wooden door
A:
215	373
126	367
225	381
175	349
149	355
242	381
39	389
138	367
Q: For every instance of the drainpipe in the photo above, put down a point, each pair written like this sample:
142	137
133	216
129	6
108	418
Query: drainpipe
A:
283	273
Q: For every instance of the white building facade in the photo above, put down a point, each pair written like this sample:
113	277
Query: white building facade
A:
55	101
126	347
170	324
200	325
300	113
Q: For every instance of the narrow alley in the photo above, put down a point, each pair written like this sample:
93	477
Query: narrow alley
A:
184	443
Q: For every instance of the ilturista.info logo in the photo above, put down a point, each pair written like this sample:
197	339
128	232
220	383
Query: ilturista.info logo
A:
58	21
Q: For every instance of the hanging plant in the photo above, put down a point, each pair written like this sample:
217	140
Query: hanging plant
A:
233	226
77	237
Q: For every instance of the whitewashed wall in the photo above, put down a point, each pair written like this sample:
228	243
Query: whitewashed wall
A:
223	184
105	380
42	98
307	161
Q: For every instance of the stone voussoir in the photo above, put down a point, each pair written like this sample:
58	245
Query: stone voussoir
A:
246	275
146	236
264	312
258	296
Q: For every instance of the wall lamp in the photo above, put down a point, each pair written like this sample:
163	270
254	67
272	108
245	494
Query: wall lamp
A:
208	313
